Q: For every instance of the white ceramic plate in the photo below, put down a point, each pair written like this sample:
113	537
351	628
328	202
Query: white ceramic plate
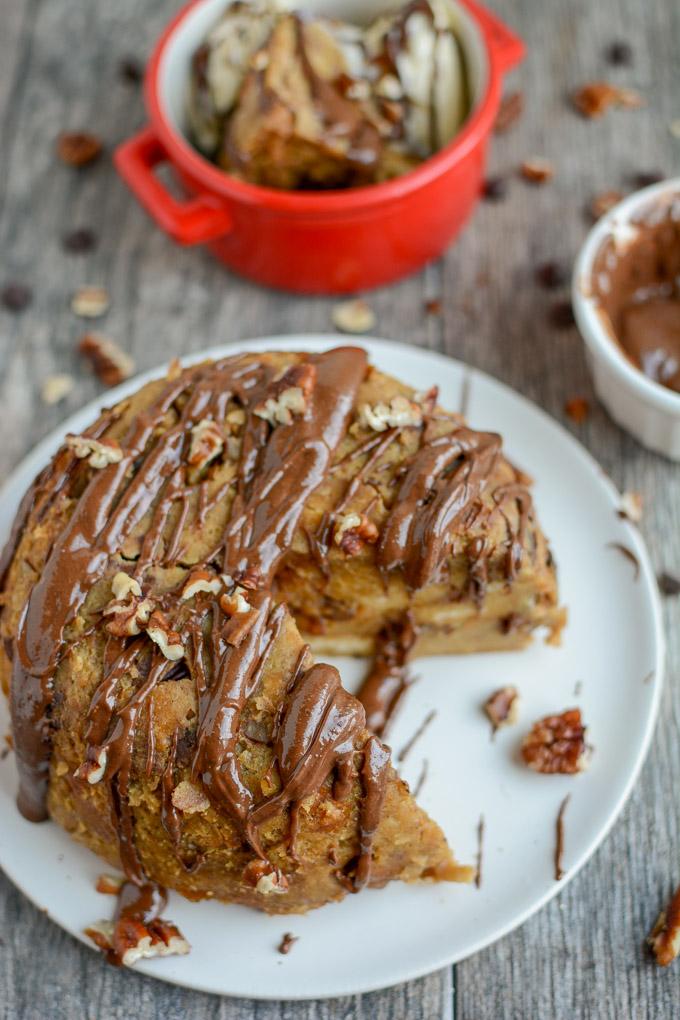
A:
613	648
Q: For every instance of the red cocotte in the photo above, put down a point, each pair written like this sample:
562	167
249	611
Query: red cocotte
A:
329	242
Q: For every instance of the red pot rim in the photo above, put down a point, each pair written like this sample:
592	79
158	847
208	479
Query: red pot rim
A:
186	157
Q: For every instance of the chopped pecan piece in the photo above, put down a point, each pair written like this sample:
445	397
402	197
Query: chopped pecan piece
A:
286	943
111	365
93	768
537	170
207	443
90	302
126	941
128	617
288	396
664	938
264	877
201	581
557	743
98	452
594	98
509	112
162	634
123	585
354	316
399	412
235	602
502	707
352	531
578	409
56	388
78	148
109	885
129	612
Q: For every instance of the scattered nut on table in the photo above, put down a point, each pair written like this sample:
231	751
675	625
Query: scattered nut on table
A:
354	316
90	302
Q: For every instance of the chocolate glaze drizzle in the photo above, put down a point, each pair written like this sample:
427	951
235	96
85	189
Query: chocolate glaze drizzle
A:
316	732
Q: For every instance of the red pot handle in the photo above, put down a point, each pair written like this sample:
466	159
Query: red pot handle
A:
507	48
192	222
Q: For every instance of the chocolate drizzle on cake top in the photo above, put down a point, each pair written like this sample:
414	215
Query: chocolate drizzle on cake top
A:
281	462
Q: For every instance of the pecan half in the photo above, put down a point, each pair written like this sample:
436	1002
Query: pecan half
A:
557	743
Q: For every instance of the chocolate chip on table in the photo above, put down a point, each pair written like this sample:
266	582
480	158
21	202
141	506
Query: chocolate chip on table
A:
78	241
131	70
15	296
494	189
646	177
669	584
561	315
619	54
78	148
550	275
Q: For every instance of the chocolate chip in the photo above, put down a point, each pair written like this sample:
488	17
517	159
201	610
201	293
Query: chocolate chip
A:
669	584
646	177
495	189
15	296
131	70
561	315
619	54
78	241
550	275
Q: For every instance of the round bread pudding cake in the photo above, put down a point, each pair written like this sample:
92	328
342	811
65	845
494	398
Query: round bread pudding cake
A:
168	578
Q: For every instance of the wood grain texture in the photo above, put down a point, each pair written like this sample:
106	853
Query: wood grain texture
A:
581	956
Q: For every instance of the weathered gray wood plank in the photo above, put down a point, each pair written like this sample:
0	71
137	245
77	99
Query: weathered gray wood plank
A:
580	957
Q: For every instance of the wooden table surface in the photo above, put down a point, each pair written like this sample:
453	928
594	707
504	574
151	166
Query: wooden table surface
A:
581	956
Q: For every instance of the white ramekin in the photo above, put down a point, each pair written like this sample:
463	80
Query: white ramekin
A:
644	408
